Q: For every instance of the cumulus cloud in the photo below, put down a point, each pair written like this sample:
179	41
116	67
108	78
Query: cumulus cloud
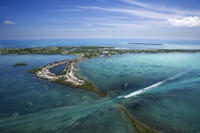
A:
185	22
8	22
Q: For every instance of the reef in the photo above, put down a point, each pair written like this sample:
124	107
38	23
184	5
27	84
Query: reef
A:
140	127
20	64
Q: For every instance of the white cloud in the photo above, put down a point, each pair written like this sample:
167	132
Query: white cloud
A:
162	8
136	12
9	22
137	3
185	22
122	25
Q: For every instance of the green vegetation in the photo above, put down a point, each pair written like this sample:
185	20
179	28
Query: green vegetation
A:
88	86
39	50
20	64
34	70
87	52
48	50
141	128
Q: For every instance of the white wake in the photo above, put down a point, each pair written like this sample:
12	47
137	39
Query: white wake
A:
135	93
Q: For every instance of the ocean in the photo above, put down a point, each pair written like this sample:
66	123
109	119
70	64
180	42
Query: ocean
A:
166	89
118	43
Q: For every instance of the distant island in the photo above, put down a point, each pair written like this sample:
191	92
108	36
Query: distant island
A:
20	64
138	43
88	52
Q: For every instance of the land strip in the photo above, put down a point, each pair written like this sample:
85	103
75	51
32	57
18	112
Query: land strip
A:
140	127
68	77
88	52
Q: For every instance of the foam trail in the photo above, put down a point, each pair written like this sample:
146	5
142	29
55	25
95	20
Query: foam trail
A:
135	93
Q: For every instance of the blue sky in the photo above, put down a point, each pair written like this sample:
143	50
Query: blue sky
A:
141	19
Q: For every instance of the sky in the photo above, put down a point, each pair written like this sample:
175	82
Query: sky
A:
134	19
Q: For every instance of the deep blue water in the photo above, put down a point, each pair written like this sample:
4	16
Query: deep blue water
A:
28	104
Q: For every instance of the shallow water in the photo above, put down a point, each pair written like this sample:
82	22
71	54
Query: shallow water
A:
21	93
32	105
118	43
171	106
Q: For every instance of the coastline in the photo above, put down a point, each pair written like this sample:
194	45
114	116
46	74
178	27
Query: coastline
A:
68	77
88	52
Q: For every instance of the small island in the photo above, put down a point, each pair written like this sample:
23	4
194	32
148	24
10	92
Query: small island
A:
142	43
68	76
20	64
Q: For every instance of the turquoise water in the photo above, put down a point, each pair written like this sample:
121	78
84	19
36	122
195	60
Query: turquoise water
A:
118	43
28	104
171	107
21	93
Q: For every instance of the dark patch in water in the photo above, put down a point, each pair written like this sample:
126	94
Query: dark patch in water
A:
156	66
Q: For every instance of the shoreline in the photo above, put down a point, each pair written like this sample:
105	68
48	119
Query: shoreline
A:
87	52
68	77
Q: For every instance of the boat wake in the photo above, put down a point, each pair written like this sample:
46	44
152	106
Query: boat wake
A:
135	93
